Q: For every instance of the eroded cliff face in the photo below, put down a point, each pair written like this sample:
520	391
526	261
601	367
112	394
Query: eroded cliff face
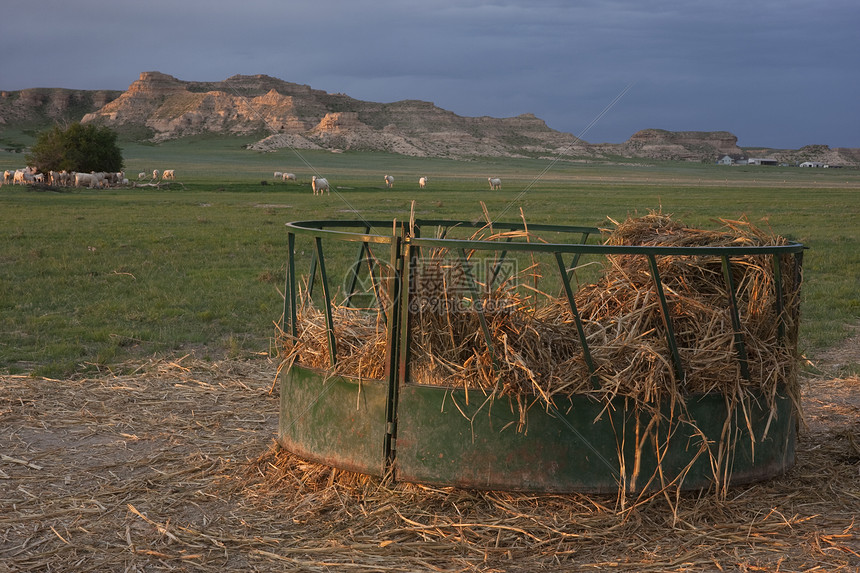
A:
172	108
298	116
48	105
160	107
681	145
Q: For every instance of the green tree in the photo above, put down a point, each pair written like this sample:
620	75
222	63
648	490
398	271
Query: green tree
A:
81	148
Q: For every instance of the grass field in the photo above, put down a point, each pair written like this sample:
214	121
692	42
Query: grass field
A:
92	278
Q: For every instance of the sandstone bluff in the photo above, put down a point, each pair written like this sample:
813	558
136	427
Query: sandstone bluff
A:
158	107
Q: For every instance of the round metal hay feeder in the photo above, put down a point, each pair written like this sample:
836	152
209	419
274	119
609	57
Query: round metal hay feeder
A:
449	436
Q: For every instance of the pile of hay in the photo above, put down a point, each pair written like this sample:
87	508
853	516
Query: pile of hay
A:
360	341
534	339
623	312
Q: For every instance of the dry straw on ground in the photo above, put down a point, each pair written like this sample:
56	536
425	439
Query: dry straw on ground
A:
169	466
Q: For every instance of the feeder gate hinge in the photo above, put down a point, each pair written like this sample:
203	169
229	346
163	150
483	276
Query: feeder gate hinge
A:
392	439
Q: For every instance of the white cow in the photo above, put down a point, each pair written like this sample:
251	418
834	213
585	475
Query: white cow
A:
86	180
319	185
495	183
22	177
389	181
422	183
155	173
168	174
101	178
289	176
279	175
141	175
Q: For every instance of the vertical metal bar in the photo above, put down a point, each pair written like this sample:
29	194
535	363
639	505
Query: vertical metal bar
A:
353	277
312	275
667	319
780	302
290	293
798	270
392	354
416	233
595	383
498	266
798	273
477	304
740	346
575	260
377	287
329	321
410	262
407	278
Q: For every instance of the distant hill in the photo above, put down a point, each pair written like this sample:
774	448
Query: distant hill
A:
158	107
40	107
296	115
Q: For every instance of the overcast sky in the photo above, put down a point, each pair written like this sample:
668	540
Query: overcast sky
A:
780	73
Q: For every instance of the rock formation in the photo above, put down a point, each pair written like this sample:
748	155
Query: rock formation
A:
298	116
160	107
48	105
681	145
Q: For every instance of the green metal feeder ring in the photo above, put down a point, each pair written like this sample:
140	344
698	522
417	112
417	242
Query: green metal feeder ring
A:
580	446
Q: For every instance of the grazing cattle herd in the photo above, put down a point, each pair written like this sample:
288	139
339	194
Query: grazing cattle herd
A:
101	180
320	185
92	180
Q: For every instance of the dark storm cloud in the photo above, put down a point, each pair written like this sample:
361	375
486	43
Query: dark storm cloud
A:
774	73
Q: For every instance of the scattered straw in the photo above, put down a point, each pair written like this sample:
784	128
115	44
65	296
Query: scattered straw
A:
173	468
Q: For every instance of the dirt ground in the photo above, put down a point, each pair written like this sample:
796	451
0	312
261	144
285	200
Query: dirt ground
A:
173	468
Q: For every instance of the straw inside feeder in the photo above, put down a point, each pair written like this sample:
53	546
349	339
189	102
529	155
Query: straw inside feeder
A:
534	346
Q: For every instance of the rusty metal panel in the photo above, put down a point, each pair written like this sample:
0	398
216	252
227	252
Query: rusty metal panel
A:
334	420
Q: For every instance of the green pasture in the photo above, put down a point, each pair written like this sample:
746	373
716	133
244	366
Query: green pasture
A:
90	279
